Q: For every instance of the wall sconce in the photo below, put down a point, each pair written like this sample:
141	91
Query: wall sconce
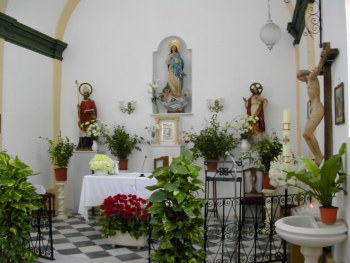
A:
128	108
217	105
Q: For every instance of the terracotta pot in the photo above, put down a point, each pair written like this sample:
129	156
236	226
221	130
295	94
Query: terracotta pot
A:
61	174
212	164
329	214
266	182
123	164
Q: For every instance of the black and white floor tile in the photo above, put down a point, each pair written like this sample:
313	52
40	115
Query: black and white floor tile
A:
82	241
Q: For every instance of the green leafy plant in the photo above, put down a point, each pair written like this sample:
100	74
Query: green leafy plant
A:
121	143
17	199
323	182
60	151
213	141
125	213
177	211
268	148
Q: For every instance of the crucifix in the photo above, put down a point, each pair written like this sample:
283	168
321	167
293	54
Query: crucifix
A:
318	110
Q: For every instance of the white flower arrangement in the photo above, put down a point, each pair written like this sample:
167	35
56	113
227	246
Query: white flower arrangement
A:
278	172
154	89
94	129
245	125
101	162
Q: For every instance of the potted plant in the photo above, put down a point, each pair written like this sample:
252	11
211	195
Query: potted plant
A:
268	148
60	152
124	214
17	200
176	211
101	162
324	182
121	144
213	141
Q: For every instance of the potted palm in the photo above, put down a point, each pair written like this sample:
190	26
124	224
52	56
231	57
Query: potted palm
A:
322	183
213	141
121	144
60	151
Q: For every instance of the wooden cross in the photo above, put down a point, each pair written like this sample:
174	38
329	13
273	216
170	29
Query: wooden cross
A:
328	55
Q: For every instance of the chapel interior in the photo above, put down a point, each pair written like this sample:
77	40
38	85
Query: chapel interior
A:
119	49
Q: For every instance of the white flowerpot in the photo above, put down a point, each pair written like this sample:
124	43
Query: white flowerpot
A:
124	239
245	145
94	146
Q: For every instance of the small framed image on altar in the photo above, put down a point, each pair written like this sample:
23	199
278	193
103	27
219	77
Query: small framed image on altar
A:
168	132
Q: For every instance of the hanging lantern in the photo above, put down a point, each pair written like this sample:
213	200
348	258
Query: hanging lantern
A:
270	33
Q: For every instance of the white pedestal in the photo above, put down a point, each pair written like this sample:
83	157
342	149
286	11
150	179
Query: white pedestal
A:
61	211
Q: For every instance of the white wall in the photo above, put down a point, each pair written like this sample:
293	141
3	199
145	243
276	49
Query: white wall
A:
111	47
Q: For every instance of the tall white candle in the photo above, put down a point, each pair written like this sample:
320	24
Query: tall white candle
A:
286	135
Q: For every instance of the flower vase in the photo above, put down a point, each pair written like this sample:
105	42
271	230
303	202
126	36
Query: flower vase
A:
100	172
124	239
266	182
94	146
245	145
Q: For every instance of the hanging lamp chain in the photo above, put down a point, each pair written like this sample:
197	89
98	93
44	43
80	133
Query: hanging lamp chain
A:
268	11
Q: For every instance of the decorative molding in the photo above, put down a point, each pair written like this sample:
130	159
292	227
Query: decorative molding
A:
19	34
297	26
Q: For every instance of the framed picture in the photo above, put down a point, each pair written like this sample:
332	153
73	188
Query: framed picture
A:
339	111
168	132
308	109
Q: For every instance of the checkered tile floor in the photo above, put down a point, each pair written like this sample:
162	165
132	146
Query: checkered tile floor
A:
83	239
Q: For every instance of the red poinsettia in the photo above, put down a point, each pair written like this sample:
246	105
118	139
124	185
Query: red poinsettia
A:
125	213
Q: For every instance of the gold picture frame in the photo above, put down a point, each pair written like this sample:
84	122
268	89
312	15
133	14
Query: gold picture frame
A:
169	130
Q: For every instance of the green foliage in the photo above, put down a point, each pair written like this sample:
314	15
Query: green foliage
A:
176	211
60	151
268	149
213	141
121	143
323	182
17	199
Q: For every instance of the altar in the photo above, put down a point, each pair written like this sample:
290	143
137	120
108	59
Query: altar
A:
96	188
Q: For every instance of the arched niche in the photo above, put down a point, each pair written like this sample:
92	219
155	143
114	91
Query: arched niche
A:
176	104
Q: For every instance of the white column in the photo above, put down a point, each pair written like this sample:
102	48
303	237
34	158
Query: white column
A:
61	212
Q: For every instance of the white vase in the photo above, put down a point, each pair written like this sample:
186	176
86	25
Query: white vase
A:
245	145
124	239
100	172
94	146
116	167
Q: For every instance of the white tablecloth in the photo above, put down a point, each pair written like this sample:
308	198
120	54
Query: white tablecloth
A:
96	188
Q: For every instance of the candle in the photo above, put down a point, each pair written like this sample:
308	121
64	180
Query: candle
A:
286	136
286	116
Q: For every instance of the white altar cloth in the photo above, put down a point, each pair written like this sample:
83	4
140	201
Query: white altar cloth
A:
96	188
